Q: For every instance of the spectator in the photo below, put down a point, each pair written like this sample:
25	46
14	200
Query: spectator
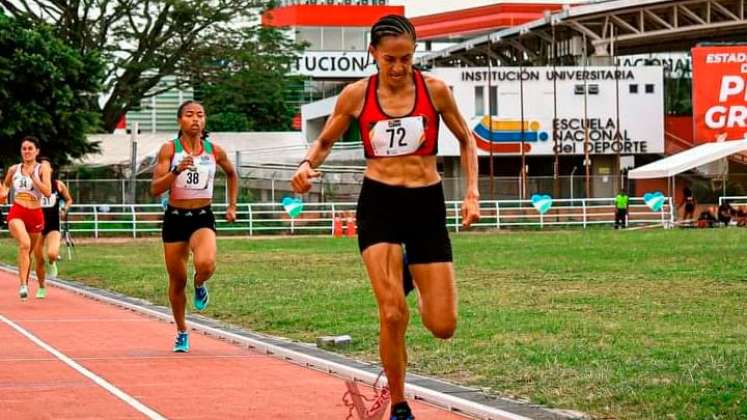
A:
621	209
689	203
725	211
741	214
706	218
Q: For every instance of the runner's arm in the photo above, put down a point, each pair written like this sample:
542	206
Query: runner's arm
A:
162	175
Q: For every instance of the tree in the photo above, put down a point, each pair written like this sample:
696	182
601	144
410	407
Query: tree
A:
251	87
44	85
142	41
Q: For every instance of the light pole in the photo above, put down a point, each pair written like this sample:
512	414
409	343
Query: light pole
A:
572	172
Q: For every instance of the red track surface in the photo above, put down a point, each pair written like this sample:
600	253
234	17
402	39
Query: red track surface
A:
215	379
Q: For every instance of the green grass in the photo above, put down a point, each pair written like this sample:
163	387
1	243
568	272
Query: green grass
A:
647	324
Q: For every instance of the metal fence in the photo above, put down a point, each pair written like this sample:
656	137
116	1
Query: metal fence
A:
138	220
740	200
270	185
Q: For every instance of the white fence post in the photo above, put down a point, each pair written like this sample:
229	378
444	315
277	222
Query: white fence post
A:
251	219
95	222
497	215
583	206
134	221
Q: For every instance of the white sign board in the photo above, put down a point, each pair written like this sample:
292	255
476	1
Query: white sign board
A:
565	110
336	64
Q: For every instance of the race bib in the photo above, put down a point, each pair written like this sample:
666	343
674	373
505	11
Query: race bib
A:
193	178
398	137
50	201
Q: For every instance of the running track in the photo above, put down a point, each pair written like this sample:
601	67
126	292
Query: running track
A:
111	350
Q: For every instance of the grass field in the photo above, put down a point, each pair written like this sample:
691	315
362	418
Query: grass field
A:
646	324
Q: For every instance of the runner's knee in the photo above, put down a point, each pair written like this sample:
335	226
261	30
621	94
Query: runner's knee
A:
205	267
394	313
443	328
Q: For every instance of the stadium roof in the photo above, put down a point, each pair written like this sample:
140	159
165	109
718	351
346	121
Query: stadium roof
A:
466	23
615	27
689	159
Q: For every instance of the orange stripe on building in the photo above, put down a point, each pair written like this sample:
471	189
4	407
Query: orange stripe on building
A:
328	15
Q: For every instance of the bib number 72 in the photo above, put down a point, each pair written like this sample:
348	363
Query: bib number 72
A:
393	133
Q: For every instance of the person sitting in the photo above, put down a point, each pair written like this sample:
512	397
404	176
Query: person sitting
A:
706	219
741	216
725	211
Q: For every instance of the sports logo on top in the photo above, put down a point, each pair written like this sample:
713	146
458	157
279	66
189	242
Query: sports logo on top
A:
505	135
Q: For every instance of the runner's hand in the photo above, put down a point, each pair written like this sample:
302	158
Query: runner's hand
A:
231	214
185	164
3	193
470	211
301	182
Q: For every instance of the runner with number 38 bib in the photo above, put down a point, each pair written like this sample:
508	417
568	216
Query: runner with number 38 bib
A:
186	168
401	204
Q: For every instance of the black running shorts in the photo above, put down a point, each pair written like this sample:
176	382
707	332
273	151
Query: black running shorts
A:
413	217
180	224
51	219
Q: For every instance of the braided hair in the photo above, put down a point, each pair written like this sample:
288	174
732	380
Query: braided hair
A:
180	111
392	25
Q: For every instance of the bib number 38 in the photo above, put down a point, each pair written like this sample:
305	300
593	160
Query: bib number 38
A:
194	178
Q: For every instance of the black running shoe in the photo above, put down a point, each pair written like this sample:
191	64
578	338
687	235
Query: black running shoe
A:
401	411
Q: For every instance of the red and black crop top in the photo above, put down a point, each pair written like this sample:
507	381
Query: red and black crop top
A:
415	133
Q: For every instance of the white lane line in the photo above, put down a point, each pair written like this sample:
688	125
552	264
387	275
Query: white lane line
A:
100	359
134	403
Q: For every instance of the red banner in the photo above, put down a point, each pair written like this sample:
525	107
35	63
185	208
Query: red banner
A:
719	92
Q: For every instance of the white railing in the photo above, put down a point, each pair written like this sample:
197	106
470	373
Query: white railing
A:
319	218
733	199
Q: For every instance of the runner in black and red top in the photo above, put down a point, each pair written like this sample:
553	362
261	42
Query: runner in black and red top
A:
401	204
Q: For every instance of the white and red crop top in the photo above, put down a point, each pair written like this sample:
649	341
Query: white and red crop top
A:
196	182
413	134
23	187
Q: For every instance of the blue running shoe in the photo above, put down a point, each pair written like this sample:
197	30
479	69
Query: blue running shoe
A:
401	411
201	297
182	342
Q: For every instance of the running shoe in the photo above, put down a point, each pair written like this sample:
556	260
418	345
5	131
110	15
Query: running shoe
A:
24	292
182	342
53	270
201	297
41	293
401	411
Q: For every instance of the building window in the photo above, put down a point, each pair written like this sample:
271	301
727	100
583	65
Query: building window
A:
649	88
494	100
331	39
632	88
355	39
313	36
479	100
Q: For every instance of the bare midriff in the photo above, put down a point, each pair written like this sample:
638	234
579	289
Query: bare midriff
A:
190	204
404	171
